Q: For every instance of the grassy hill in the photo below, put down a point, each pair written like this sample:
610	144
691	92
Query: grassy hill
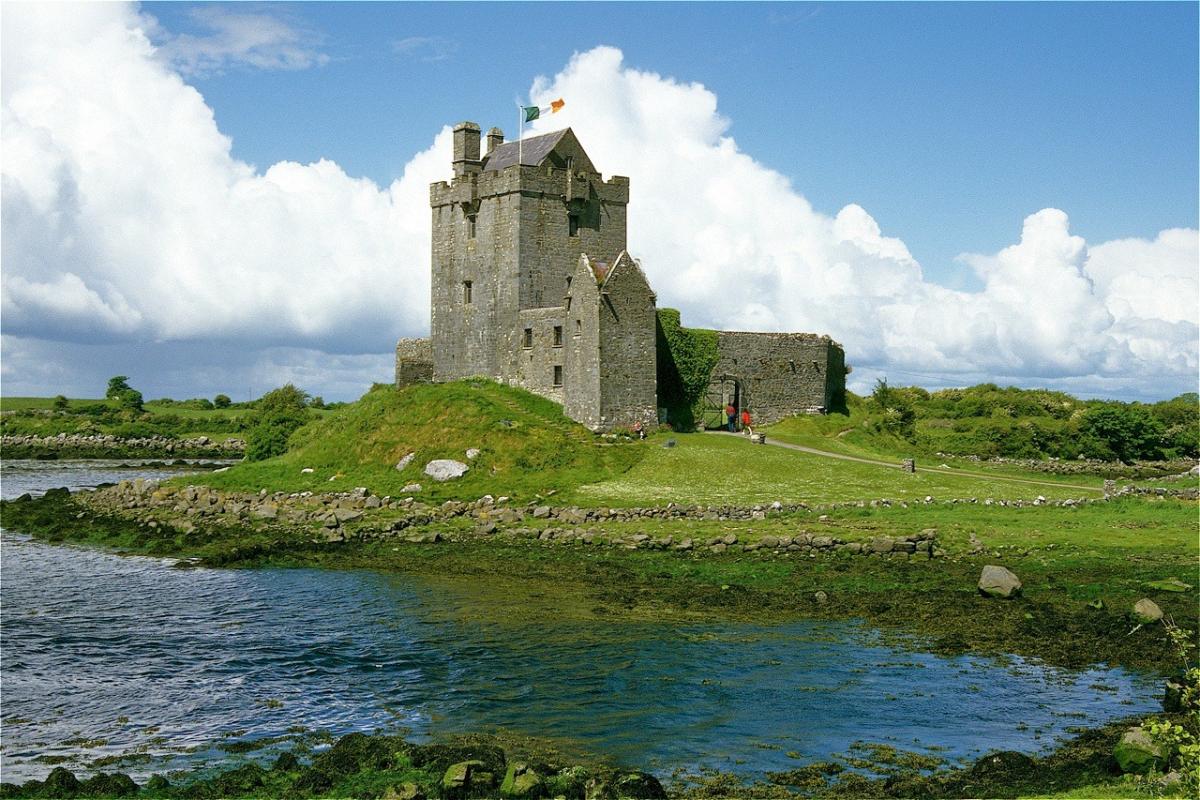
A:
527	447
987	421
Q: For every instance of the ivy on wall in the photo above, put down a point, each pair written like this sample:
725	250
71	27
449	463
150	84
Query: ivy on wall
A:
686	358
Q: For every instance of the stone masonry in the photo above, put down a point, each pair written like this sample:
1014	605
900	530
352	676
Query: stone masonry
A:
532	286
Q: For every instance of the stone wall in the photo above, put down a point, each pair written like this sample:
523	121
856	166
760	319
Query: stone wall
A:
533	366
414	362
581	393
628	348
782	374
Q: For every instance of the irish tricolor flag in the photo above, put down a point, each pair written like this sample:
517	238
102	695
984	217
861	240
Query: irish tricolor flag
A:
534	112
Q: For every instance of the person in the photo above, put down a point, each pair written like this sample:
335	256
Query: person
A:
731	413
746	422
639	429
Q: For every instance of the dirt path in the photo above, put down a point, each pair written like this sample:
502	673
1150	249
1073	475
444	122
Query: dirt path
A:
894	465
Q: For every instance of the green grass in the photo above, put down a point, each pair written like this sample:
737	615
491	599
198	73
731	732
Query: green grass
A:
712	469
527	447
47	403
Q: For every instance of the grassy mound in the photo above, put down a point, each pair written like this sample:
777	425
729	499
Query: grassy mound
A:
527	447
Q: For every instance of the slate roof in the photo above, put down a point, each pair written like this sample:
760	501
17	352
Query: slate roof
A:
533	151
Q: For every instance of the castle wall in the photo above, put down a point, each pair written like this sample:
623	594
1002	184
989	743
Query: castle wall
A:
414	362
628	349
782	374
581	394
533	361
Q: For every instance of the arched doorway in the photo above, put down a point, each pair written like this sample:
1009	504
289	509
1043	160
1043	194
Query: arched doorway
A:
723	390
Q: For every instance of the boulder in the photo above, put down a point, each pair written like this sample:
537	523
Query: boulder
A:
445	469
638	785
404	462
882	544
404	791
467	779
521	782
1147	611
996	581
410	488
1136	752
472	453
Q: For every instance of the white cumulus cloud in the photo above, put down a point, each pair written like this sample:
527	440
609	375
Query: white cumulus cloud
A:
128	221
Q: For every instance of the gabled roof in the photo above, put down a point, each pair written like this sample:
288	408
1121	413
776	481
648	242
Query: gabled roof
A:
533	151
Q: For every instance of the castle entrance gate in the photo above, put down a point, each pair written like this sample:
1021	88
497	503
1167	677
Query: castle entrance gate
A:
723	390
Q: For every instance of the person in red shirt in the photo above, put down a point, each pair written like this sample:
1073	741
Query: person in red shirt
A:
746	422
731	413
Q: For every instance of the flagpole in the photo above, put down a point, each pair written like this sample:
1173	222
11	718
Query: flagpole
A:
520	134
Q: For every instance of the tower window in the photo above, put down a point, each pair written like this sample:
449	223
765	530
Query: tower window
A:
578	327
467	292
470	226
568	302
558	335
527	338
558	375
572	224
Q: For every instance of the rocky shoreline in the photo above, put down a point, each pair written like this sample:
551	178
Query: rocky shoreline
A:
359	515
74	445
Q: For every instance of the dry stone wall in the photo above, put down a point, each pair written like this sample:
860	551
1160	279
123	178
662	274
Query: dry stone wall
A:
782	374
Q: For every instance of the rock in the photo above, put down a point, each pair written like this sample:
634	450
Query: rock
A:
521	782
411	488
669	443
541	512
882	544
821	598
1146	611
445	469
996	581
404	791
639	786
266	511
472	453
769	541
307	471
1136	753
404	462
1170	585
466	779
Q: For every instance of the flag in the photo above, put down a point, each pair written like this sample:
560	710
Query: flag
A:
533	112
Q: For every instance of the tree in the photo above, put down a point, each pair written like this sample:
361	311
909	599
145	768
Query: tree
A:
61	403
1128	432
898	415
222	401
278	414
130	400
116	385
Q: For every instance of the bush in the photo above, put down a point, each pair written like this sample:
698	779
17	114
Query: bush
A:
222	401
1129	432
130	400
278	414
61	403
116	385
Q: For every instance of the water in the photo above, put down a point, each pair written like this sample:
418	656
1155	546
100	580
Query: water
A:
35	477
168	662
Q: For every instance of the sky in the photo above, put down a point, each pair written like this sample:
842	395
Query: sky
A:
225	197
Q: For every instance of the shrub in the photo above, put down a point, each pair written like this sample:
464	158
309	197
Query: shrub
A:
278	414
1129	432
61	403
130	400
222	401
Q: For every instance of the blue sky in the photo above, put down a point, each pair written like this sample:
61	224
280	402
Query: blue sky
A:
949	122
224	197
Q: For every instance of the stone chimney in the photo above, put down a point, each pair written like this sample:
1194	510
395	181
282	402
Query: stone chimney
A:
495	139
466	148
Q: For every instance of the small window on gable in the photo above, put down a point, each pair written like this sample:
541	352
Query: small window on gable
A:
558	335
558	375
578	327
527	339
572	224
570	163
568	283
467	292
470	226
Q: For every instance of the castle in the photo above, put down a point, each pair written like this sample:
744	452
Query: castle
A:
532	286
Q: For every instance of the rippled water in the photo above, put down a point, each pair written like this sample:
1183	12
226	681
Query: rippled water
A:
145	656
35	477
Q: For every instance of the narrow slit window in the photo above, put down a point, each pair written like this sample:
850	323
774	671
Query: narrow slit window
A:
558	335
568	302
527	339
578	327
467	292
572	224
470	226
557	375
